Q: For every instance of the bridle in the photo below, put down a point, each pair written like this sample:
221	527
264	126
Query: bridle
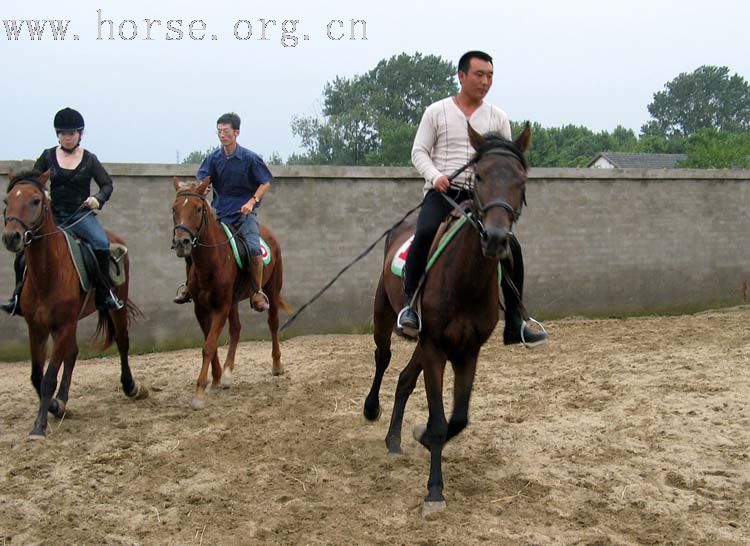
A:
30	231
194	235
479	209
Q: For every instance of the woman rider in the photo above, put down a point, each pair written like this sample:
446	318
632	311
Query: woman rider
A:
71	170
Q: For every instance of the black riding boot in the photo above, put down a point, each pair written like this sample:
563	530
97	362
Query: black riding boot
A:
514	323
106	300
13	305
408	322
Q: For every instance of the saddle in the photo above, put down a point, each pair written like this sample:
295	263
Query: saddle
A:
445	233
240	250
85	261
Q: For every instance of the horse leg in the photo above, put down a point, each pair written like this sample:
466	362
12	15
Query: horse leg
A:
38	344
212	326
435	433
58	405
62	340
235	326
273	325
464	370
407	380
122	338
384	317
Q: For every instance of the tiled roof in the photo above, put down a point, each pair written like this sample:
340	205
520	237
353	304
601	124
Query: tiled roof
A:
640	161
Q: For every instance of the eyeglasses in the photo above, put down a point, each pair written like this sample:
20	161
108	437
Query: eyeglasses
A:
225	131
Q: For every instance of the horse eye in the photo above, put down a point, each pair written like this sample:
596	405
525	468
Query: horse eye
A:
478	177
36	201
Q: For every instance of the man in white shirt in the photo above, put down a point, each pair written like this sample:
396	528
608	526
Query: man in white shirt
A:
442	146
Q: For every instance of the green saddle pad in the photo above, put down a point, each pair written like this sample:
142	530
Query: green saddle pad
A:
265	250
399	259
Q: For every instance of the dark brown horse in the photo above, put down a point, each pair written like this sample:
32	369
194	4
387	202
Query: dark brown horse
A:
53	301
459	303
216	284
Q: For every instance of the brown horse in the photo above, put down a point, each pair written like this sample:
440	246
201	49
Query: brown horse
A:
459	303
52	299
216	284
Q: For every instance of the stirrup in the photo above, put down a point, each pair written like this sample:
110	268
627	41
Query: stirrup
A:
118	303
267	301
182	295
408	331
11	310
535	344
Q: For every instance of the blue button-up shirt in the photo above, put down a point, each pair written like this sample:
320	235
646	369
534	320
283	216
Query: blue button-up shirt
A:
234	179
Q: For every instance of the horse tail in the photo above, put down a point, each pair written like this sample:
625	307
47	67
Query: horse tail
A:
134	312
105	330
278	271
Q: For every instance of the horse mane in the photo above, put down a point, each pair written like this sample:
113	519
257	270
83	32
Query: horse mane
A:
493	141
26	176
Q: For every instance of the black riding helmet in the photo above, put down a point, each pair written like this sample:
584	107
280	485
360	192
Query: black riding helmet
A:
68	119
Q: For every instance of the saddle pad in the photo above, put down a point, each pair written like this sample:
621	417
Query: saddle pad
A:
117	252
399	260
265	250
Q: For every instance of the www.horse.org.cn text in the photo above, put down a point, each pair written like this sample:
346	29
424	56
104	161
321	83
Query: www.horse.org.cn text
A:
288	32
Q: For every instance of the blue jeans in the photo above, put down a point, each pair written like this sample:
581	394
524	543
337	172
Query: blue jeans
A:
89	229
250	231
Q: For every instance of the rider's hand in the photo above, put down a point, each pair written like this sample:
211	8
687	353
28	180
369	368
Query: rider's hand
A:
248	207
442	184
92	203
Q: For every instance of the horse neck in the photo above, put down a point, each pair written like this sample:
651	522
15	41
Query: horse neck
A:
45	261
210	250
474	273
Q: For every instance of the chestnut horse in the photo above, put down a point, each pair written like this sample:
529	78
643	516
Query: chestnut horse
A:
459	303
216	284
52	299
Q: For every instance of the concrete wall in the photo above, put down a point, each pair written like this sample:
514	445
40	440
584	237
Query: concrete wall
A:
596	242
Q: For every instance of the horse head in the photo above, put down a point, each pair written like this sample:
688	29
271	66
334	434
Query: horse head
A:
189	213
499	187
26	205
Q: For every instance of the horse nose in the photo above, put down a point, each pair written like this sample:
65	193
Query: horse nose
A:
181	245
12	241
495	242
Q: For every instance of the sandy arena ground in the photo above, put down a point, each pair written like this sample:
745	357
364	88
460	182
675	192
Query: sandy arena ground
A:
632	431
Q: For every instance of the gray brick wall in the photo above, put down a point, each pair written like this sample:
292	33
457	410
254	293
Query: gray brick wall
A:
602	243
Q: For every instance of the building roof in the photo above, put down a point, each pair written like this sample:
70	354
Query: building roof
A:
640	161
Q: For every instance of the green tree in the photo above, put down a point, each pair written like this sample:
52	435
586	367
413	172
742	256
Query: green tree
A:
706	98
712	149
196	156
371	119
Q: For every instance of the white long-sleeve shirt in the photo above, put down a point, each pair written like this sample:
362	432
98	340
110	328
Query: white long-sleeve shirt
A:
442	142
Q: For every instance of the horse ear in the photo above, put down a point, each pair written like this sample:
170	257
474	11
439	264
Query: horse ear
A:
203	186
524	139
476	140
44	178
176	182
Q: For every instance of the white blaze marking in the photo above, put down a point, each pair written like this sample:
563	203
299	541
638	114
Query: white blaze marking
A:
18	193
184	204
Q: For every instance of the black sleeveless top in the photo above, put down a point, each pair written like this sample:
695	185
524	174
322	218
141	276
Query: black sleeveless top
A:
69	188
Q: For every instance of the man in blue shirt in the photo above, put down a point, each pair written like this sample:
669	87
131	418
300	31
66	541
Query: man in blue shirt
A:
240	179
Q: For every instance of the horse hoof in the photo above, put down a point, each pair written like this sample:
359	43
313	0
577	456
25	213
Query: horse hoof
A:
226	379
140	393
431	508
197	404
372	416
57	408
35	437
395	451
277	371
418	433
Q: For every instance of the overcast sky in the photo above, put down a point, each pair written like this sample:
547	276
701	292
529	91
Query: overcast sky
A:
592	63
